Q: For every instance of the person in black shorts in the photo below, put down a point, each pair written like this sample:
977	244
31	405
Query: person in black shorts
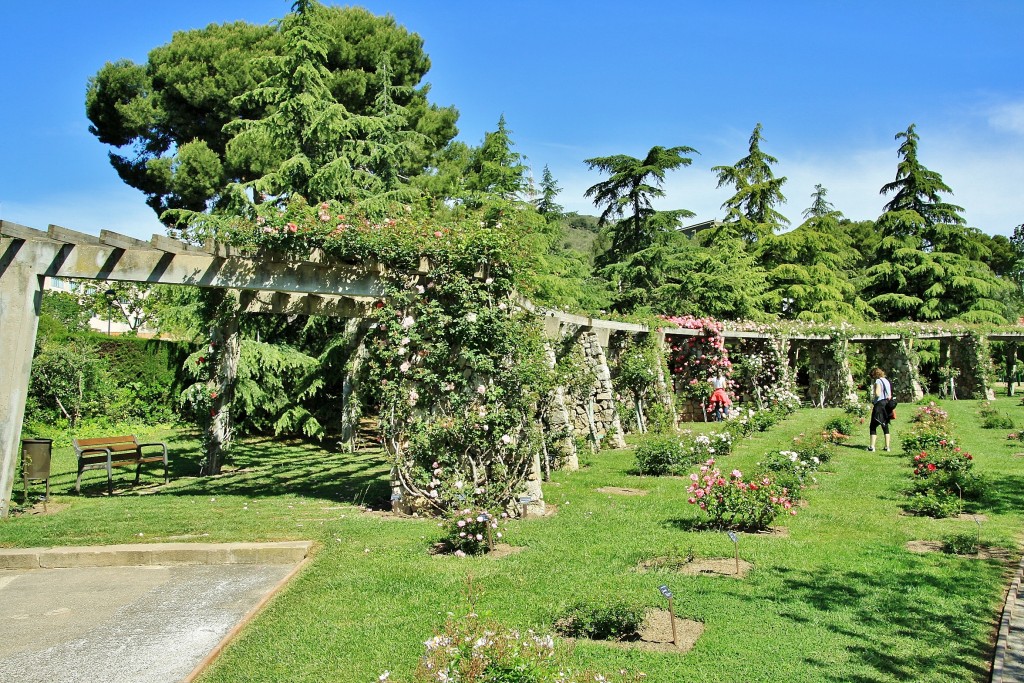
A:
881	392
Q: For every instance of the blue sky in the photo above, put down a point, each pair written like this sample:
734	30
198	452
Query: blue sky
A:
831	82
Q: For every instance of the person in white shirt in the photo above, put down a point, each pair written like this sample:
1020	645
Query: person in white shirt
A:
719	401
881	392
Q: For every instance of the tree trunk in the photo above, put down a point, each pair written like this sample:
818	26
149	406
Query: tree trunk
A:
225	348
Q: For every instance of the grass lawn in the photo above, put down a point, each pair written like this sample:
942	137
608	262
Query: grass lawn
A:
840	598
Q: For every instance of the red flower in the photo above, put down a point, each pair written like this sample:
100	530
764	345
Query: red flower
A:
931	467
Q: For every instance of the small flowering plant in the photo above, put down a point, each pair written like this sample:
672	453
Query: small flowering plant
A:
470	650
472	531
931	416
731	502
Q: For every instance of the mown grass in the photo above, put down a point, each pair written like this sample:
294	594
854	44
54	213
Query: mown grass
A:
839	598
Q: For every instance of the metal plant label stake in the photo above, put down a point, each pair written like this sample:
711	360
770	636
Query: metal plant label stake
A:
671	612
736	546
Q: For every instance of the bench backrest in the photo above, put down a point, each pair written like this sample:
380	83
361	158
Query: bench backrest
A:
126	445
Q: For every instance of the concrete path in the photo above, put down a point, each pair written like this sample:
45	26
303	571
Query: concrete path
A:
153	621
1008	663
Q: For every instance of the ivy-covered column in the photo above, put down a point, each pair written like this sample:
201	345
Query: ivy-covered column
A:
559	433
972	364
900	363
601	407
828	372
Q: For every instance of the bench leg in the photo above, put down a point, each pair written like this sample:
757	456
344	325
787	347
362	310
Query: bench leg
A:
138	472
166	477
110	481
78	481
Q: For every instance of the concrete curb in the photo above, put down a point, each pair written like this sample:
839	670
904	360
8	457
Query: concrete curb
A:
133	555
1005	624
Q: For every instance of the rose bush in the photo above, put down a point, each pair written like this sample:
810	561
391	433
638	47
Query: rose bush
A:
732	503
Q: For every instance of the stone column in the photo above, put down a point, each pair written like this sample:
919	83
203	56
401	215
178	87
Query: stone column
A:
970	355
829	364
898	360
557	422
351	408
605	414
21	294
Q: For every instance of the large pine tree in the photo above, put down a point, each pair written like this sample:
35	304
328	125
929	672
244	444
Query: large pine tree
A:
751	212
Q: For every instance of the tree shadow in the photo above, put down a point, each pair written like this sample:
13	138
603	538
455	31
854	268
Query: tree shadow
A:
1003	494
259	467
909	621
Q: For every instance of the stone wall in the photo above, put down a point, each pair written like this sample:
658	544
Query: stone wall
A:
596	414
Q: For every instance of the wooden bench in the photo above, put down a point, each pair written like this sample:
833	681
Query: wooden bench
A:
115	451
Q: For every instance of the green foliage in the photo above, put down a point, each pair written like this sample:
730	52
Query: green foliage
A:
168	116
471	531
751	213
659	455
611	620
960	544
62	313
938	505
68	380
843	425
729	501
991	418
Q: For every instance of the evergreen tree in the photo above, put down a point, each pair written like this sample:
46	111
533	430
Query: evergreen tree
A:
495	168
810	268
750	212
929	264
631	187
549	189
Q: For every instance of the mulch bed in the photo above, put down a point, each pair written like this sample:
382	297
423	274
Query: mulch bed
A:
708	566
500	550
656	634
621	491
984	553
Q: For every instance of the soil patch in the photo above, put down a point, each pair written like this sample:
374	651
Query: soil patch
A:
656	634
500	550
621	491
51	509
984	553
971	518
708	566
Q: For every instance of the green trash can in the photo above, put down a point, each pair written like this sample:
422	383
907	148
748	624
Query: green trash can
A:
35	463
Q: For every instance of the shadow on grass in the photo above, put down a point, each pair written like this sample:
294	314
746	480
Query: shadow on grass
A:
1003	494
256	467
910	619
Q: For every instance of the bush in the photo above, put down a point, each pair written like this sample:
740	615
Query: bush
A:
915	442
945	471
731	502
960	544
615	620
842	425
472	651
814	450
934	505
997	421
471	531
659	455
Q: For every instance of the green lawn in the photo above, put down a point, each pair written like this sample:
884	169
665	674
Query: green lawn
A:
838	599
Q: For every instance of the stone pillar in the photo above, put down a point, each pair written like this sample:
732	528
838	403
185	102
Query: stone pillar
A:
21	294
898	360
557	423
970	355
828	368
601	402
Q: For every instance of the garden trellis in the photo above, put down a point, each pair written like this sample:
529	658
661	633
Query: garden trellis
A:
261	281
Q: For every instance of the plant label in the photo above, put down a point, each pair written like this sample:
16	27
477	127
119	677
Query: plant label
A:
525	499
665	591
733	537
396	496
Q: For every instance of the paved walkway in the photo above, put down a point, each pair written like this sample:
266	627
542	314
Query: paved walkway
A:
1008	663
85	616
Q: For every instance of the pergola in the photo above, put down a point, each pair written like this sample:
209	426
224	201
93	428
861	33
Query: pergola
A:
266	283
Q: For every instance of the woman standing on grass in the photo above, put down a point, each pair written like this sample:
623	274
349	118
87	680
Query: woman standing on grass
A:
881	392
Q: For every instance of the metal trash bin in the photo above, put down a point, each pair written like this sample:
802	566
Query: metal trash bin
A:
35	463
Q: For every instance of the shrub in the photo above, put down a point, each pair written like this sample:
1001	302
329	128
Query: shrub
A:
731	502
814	450
471	651
935	505
658	455
960	544
471	531
614	620
945	471
997	421
931	417
915	442
842	425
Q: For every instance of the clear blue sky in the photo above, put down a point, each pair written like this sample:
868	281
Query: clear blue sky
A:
831	82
